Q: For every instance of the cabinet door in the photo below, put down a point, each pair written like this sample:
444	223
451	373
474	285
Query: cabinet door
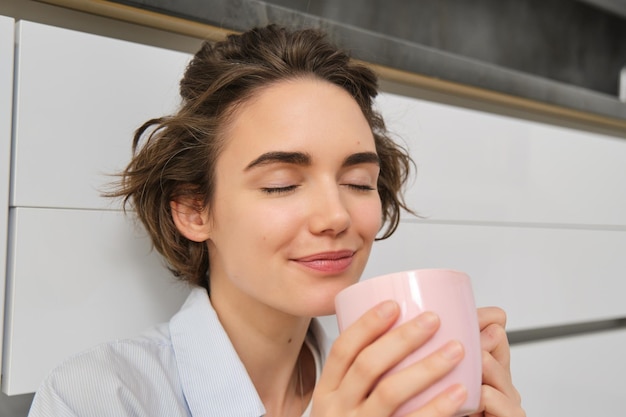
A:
479	167
79	98
77	278
79	271
7	26
576	377
540	276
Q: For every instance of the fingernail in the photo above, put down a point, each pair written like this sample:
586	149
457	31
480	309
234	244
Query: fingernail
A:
457	393
427	320
452	350
386	309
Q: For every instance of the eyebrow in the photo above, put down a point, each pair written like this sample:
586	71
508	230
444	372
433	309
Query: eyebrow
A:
295	158
361	158
304	159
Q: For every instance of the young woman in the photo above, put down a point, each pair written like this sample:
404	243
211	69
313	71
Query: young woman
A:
265	191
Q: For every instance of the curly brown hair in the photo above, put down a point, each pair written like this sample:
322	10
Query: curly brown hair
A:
179	152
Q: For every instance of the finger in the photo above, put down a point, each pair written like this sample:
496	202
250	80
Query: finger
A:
493	339
351	341
495	404
489	315
498	377
396	389
386	352
444	404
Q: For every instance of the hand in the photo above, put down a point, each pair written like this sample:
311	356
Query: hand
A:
499	398
351	384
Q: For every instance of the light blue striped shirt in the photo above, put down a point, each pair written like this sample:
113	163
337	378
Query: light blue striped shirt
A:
187	367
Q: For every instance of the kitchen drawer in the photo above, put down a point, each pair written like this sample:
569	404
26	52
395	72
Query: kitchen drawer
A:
575	376
476	166
77	278
79	98
541	276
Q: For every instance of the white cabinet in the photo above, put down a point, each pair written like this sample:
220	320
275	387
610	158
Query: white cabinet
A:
479	167
6	101
576	376
540	276
77	278
79	271
79	98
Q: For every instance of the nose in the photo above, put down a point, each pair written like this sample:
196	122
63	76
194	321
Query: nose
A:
329	214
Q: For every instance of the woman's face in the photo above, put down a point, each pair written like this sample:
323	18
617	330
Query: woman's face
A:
295	209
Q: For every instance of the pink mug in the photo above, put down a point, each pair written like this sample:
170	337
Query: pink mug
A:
445	292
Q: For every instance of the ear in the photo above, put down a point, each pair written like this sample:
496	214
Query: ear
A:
191	219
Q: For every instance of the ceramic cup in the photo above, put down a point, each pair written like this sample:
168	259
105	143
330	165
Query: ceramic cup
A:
447	293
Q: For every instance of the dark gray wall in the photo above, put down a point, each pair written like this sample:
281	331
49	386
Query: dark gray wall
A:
563	40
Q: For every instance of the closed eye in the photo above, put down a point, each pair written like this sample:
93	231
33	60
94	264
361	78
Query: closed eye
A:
361	187
279	190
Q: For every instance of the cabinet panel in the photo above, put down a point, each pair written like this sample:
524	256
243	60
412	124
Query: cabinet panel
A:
475	166
79	99
576	376
7	26
77	278
541	276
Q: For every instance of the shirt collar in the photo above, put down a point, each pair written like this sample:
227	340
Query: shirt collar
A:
213	378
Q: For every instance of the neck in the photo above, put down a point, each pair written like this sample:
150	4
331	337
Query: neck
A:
270	344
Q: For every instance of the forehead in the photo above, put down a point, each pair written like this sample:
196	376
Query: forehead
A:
299	114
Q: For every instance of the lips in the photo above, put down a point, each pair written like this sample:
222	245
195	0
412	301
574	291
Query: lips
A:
330	262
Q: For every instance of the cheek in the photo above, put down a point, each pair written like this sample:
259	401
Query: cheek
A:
275	223
369	218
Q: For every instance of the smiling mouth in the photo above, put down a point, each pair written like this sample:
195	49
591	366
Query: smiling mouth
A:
333	262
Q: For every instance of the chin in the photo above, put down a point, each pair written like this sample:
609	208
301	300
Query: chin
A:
328	311
323	304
